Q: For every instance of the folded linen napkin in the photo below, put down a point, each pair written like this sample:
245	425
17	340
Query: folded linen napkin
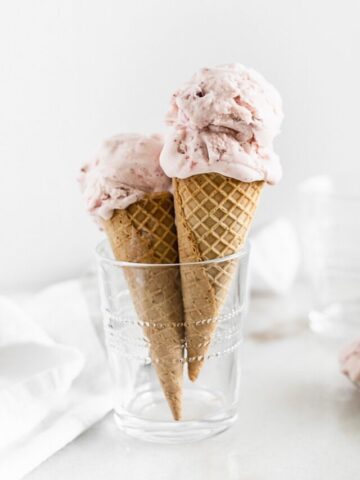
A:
275	257
54	381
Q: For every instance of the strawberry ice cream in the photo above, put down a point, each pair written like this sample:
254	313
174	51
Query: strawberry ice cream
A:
350	362
125	169
224	120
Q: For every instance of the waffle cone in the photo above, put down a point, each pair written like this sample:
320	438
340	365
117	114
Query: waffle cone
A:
145	233
213	217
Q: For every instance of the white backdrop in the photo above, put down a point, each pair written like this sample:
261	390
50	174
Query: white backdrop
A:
74	72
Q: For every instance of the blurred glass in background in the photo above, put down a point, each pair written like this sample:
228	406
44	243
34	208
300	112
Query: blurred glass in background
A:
330	228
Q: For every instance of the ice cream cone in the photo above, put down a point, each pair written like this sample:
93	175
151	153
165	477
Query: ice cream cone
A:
145	232
213	215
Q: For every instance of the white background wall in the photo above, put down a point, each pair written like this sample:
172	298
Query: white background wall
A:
73	72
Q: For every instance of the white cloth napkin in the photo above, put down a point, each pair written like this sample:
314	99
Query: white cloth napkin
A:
275	257
54	380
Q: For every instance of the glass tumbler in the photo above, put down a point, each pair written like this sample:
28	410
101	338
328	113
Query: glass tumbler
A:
330	209
209	404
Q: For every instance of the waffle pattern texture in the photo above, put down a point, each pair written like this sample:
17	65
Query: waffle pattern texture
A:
145	232
213	216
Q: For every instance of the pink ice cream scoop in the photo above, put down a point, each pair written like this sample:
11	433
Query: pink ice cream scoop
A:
350	362
224	120
125	169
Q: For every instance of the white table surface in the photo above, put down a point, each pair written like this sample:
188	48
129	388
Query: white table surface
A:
298	418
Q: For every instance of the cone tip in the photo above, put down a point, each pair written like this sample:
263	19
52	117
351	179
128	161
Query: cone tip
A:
176	412
193	371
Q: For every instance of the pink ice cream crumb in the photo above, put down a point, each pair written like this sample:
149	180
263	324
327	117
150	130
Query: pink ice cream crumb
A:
350	362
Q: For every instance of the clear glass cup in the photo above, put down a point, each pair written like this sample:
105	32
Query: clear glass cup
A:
210	403
330	211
